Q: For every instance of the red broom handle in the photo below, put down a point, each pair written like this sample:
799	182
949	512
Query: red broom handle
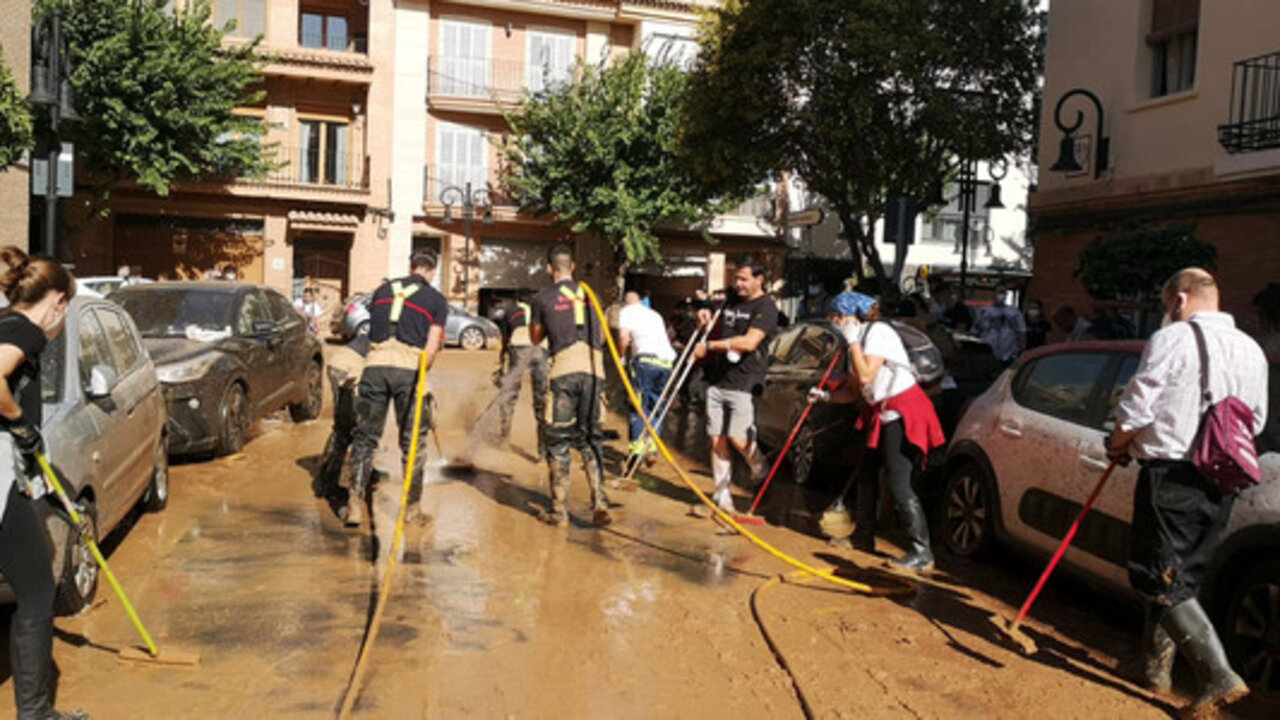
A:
794	431
1062	547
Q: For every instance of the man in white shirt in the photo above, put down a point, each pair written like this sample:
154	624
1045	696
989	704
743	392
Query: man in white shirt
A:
310	309
642	331
1178	515
1003	328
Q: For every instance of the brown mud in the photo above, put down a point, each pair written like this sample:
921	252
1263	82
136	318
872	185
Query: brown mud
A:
494	614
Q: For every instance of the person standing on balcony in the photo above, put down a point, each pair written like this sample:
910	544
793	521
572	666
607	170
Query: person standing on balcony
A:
407	317
1178	514
643	333
561	315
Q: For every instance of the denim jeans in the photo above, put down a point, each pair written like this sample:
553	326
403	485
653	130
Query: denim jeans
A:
650	377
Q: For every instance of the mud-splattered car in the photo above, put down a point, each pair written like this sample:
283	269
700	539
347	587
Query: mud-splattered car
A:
1028	452
226	354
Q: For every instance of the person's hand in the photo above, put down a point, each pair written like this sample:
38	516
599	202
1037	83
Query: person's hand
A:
1118	455
700	350
27	437
818	395
704	317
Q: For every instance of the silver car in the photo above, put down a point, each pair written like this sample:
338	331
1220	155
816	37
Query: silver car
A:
467	331
104	427
1029	451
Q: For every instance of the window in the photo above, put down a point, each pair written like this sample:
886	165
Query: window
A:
94	348
324	31
781	346
550	60
249	16
1128	366
254	310
1173	39
673	49
282	308
323	152
464	58
813	349
52	369
1062	385
461	156
120	338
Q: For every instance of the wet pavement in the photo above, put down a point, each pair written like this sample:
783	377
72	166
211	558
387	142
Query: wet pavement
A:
494	614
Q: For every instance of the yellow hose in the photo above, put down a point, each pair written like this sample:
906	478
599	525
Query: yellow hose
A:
357	673
903	588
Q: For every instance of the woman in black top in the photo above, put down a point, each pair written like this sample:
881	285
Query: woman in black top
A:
38	291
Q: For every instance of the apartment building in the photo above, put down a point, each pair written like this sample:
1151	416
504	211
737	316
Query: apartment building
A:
1188	123
15	182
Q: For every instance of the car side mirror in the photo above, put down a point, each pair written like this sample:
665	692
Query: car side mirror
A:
101	380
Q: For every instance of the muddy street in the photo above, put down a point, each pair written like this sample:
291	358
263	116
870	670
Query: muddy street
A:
494	614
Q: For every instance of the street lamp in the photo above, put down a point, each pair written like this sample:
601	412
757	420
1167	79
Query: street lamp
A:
51	89
1067	162
468	200
967	183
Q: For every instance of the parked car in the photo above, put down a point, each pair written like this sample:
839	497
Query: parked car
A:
101	286
463	329
104	427
227	354
1029	451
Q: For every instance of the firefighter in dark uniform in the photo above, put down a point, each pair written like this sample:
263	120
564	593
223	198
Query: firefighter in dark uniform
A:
344	366
406	316
561	314
520	355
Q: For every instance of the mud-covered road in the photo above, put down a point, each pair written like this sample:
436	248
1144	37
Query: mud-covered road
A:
495	615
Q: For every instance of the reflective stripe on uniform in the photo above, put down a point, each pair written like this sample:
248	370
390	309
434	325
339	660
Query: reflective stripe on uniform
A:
579	298
400	295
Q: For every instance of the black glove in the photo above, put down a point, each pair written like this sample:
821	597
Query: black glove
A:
27	437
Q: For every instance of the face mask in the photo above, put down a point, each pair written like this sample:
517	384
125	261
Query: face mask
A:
852	332
1033	313
815	289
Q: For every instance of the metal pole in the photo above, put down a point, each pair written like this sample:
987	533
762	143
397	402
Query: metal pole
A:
54	78
466	257
967	192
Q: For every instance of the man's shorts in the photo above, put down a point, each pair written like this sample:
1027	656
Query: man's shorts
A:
731	413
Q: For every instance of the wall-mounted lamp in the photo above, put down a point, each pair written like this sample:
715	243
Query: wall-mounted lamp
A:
510	28
1067	162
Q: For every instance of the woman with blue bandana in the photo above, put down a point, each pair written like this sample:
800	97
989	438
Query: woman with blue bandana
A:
898	417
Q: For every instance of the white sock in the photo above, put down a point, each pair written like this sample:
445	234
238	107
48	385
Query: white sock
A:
722	472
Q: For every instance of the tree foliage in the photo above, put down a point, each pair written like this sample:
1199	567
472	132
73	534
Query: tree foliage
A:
599	155
15	120
863	98
1134	262
156	90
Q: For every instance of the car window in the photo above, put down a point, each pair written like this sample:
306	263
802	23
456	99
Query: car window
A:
1062	385
813	348
253	309
1128	366
94	347
53	369
123	345
281	307
781	345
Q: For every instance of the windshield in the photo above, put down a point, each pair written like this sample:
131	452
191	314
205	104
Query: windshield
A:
178	312
51	370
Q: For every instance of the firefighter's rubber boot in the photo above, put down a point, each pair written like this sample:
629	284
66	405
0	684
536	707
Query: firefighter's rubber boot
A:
1193	632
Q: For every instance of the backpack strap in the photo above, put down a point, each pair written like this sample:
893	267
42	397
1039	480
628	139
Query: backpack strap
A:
1204	362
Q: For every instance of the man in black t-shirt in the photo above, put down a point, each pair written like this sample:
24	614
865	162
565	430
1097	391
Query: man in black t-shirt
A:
736	377
406	316
562	315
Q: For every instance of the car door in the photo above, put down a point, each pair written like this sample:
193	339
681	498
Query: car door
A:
137	398
109	452
1035	445
295	354
263	348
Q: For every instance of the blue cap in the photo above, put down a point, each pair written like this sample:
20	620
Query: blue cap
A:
851	303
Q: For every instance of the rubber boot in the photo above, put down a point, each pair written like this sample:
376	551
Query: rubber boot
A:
31	658
595	480
1158	652
1192	631
864	528
559	515
327	476
354	513
919	557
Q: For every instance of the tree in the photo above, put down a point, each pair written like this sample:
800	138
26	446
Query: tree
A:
1132	264
599	155
157	93
15	120
863	98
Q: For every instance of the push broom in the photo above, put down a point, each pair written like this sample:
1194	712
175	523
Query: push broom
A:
1010	630
751	518
151	654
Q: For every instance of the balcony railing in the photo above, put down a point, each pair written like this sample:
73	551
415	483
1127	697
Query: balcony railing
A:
505	81
310	167
1255	106
435	184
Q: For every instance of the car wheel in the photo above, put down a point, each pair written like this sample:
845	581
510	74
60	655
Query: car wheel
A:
234	415
362	329
157	496
1252	630
968	512
803	454
471	338
309	408
79	582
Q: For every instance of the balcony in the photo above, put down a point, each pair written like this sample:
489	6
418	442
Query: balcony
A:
486	85
1255	106
310	174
